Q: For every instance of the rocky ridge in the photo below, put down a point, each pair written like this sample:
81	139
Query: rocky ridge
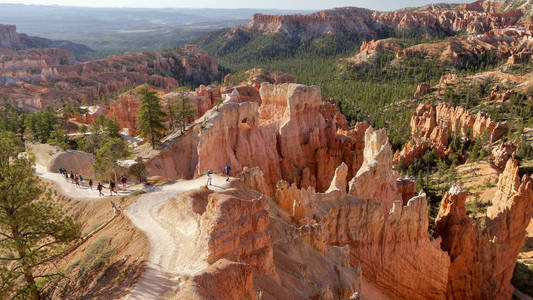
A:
509	43
12	40
475	18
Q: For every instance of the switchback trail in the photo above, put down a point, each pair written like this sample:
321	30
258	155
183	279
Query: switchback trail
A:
161	275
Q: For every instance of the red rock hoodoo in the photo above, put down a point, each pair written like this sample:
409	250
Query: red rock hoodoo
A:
483	256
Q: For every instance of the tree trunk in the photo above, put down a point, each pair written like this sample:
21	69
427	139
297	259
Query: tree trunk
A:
28	272
34	292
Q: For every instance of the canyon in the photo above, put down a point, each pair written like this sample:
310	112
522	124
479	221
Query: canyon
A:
38	77
316	204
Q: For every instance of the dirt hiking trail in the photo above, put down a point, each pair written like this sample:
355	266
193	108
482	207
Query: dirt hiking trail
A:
168	238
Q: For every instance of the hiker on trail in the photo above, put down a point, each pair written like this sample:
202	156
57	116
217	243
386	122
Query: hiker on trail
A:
209	177
81	179
100	187
112	185
61	171
77	180
66	176
226	171
90	183
72	177
123	180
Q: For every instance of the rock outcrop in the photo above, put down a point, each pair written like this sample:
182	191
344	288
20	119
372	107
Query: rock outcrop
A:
257	76
52	158
224	279
483	256
236	229
393	247
422	89
339	181
251	254
370	51
502	153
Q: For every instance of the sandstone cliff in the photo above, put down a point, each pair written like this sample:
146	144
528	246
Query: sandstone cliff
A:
248	253
11	39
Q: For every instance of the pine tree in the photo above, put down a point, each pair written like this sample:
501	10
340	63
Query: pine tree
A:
42	123
59	138
151	116
138	170
107	156
33	229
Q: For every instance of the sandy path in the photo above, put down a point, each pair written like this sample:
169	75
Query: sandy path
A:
162	272
71	190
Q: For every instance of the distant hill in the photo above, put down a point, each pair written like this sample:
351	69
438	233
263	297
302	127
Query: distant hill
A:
118	30
525	5
11	39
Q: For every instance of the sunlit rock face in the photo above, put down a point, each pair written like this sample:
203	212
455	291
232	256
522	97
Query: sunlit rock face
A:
291	135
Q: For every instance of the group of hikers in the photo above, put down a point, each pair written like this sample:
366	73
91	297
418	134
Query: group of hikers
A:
78	179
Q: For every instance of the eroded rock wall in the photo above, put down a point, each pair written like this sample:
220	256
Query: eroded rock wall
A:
389	240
